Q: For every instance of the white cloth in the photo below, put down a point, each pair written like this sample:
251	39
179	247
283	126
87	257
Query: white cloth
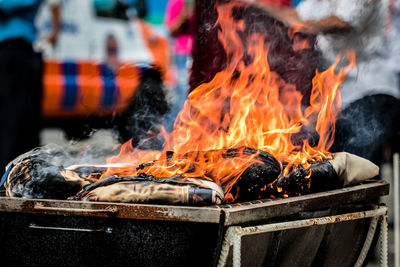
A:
352	169
375	72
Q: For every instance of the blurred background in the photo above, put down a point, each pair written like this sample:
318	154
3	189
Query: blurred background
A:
95	73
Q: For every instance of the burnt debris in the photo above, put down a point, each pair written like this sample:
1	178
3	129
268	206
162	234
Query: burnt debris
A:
257	176
321	176
34	177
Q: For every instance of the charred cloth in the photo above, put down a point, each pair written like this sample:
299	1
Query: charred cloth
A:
34	177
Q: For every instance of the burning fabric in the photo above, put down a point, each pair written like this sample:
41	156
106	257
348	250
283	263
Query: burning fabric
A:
33	176
233	140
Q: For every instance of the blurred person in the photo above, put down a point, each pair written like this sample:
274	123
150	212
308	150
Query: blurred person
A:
370	97
179	19
20	76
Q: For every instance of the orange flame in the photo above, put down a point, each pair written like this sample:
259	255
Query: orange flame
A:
245	105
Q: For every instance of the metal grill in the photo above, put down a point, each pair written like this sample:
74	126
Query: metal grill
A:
40	231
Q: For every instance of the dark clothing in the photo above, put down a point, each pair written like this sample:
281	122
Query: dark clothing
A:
20	95
293	66
366	125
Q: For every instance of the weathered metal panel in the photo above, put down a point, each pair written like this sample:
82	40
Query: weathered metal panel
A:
117	210
267	209
235	214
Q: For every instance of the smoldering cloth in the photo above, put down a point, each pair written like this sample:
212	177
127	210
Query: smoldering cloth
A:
37	174
33	177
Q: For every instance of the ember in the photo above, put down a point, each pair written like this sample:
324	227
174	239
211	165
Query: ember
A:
237	131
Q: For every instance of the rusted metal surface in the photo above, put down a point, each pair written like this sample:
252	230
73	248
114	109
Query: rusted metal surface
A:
236	214
108	210
264	209
117	210
380	211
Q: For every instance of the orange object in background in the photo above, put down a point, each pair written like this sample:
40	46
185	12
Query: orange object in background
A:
84	88
52	89
72	89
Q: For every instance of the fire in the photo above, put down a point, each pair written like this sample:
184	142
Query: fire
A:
244	105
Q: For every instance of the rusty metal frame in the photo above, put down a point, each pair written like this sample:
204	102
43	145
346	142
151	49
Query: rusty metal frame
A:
261	210
108	209
234	234
237	214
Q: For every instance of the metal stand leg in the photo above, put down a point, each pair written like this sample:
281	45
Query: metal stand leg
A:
237	246
233	236
383	241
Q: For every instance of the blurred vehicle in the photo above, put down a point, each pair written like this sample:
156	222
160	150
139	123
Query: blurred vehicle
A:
93	74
